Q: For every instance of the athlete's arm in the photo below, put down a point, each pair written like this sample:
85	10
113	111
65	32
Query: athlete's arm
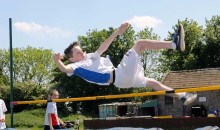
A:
64	68
104	46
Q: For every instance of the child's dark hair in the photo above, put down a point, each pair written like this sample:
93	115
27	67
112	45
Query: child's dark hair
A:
68	50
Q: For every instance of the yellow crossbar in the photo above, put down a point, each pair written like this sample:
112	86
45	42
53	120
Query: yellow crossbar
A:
119	95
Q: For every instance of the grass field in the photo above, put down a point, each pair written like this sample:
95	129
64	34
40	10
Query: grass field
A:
34	120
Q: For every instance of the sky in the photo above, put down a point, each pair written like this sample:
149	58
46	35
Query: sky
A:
54	24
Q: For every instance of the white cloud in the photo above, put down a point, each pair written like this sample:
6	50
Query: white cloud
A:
41	30
142	21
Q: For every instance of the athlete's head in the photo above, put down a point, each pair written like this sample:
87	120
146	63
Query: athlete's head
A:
74	52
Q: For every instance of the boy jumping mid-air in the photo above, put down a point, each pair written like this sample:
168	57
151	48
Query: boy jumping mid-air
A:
129	73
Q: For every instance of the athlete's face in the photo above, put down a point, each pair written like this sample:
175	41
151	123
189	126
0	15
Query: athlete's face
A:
77	54
55	95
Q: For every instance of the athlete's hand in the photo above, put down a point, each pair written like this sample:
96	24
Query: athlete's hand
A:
57	56
122	28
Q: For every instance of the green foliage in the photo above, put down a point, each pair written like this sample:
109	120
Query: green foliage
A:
141	99
202	47
212	39
34	119
32	73
174	60
150	58
3	79
28	119
29	64
24	92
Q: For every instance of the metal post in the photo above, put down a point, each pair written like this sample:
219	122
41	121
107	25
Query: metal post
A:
11	71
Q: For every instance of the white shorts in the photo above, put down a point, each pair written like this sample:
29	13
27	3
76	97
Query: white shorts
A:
130	72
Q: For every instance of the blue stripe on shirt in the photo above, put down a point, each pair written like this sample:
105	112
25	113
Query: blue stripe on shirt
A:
92	76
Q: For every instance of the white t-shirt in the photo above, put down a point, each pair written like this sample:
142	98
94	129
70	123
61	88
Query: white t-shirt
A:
51	109
93	68
3	109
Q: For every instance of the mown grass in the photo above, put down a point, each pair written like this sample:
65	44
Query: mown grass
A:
34	119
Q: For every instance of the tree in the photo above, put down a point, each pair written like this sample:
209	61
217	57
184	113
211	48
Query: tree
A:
190	58
29	64
150	58
32	74
202	47
3	78
24	92
212	40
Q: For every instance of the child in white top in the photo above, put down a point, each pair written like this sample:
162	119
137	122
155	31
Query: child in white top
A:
3	109
129	73
52	121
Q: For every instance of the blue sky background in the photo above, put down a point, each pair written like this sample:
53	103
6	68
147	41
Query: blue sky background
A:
53	24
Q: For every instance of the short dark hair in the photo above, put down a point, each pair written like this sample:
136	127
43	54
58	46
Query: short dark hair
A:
68	50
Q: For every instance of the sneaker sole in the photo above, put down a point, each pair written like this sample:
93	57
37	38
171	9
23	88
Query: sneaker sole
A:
181	38
190	100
